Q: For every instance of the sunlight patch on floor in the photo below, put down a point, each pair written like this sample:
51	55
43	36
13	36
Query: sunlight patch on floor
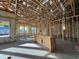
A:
33	52
52	56
26	51
30	45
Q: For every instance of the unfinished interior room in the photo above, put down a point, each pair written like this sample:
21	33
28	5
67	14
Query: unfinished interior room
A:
39	29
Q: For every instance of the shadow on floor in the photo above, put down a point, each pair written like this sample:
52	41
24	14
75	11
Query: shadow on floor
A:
35	48
13	44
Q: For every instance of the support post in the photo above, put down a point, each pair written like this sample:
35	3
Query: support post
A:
13	29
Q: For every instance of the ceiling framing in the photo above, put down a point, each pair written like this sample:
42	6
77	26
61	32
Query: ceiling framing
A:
35	10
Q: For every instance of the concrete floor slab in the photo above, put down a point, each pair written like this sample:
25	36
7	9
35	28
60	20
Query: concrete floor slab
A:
30	50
